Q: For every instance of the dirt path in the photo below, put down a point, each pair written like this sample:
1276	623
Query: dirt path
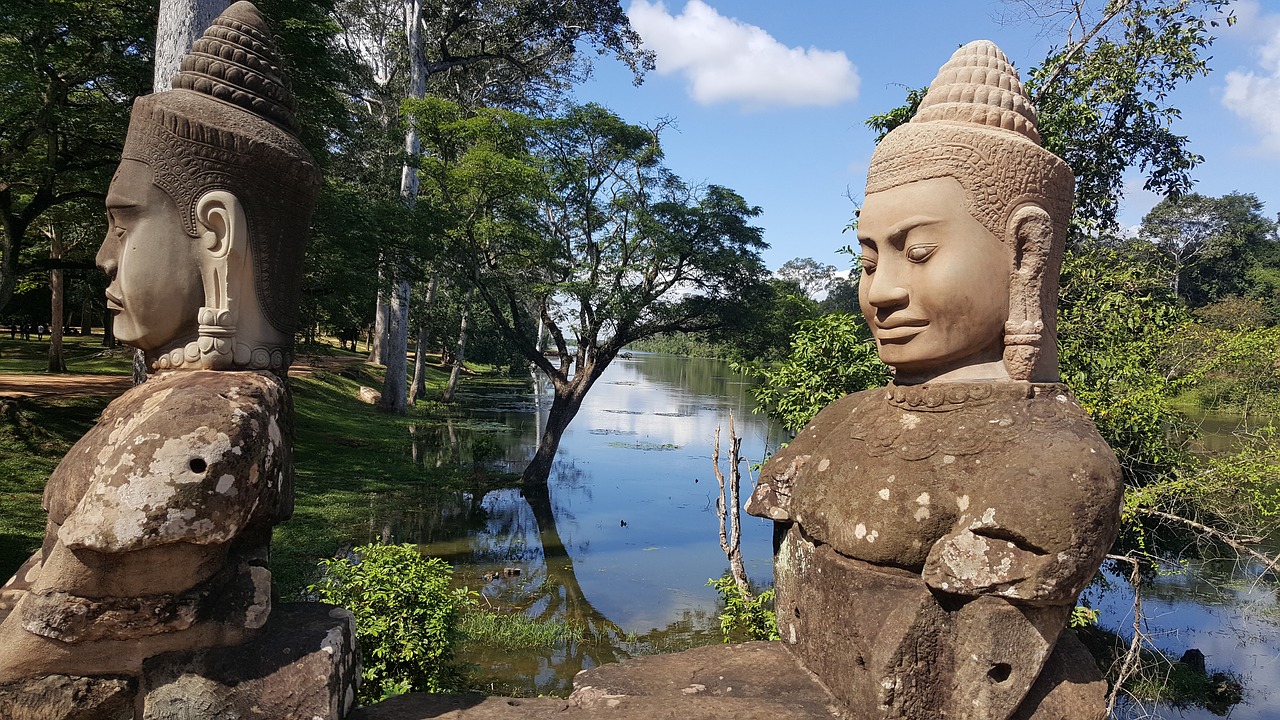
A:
72	385
40	385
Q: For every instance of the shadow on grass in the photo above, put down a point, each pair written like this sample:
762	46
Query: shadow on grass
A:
354	467
355	470
34	435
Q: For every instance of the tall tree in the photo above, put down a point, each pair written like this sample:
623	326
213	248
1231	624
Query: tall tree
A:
814	278
1104	95
1211	244
180	24
574	221
513	53
69	72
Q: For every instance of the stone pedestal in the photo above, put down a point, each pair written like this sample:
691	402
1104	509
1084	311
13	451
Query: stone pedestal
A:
751	681
302	665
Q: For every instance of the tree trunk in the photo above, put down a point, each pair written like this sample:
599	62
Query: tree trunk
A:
139	368
56	362
86	318
108	332
460	356
381	318
395	387
565	405
394	390
181	24
418	389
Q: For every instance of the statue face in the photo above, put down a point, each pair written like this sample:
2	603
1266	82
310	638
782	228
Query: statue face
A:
155	291
935	282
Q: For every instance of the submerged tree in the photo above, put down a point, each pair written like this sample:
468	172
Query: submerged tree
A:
571	227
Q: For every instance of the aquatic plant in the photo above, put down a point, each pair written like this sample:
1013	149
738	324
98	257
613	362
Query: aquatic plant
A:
407	617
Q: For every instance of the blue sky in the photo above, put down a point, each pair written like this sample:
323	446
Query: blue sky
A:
769	98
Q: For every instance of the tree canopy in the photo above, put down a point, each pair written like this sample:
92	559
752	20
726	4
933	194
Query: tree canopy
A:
69	72
571	226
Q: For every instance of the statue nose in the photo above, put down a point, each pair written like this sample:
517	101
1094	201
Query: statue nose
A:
107	258
886	288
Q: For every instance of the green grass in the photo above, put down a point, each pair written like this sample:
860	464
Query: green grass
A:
355	469
354	463
34	435
83	354
514	631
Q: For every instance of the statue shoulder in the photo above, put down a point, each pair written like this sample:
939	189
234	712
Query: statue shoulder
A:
192	456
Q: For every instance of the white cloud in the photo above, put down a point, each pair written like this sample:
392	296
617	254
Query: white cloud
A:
726	60
1254	96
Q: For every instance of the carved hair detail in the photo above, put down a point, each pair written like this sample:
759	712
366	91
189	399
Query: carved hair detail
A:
228	124
977	125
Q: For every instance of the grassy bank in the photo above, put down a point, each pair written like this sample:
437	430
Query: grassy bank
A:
83	354
357	476
358	480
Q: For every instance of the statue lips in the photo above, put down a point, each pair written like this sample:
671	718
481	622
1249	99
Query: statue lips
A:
114	304
897	329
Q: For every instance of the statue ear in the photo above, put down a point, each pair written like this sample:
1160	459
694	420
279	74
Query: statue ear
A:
222	222
224	243
1030	232
226	272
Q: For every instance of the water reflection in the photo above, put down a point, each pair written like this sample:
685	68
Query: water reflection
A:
624	538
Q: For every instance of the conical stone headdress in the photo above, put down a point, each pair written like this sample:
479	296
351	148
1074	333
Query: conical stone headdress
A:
976	124
229	124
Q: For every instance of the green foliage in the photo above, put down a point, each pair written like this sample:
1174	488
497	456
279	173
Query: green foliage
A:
745	619
682	344
1235	369
1117	320
763	333
831	356
69	72
515	631
1207	242
884	123
1105	100
1082	616
407	617
1235	492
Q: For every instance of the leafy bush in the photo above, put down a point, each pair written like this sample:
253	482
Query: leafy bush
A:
831	356
1118	321
407	617
745	619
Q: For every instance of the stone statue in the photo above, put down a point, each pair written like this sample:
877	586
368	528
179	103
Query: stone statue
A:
933	536
160	518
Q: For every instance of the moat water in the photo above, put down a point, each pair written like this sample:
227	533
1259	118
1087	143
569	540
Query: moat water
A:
623	543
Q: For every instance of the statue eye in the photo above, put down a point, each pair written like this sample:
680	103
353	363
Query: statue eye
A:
868	265
920	253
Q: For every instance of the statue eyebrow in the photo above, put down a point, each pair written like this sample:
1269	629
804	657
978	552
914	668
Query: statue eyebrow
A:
898	230
901	228
116	199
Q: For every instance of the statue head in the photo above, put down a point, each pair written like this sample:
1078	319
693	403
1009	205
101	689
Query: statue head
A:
962	231
209	210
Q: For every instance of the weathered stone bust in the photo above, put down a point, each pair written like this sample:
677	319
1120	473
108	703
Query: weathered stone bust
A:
934	535
209	210
160	518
